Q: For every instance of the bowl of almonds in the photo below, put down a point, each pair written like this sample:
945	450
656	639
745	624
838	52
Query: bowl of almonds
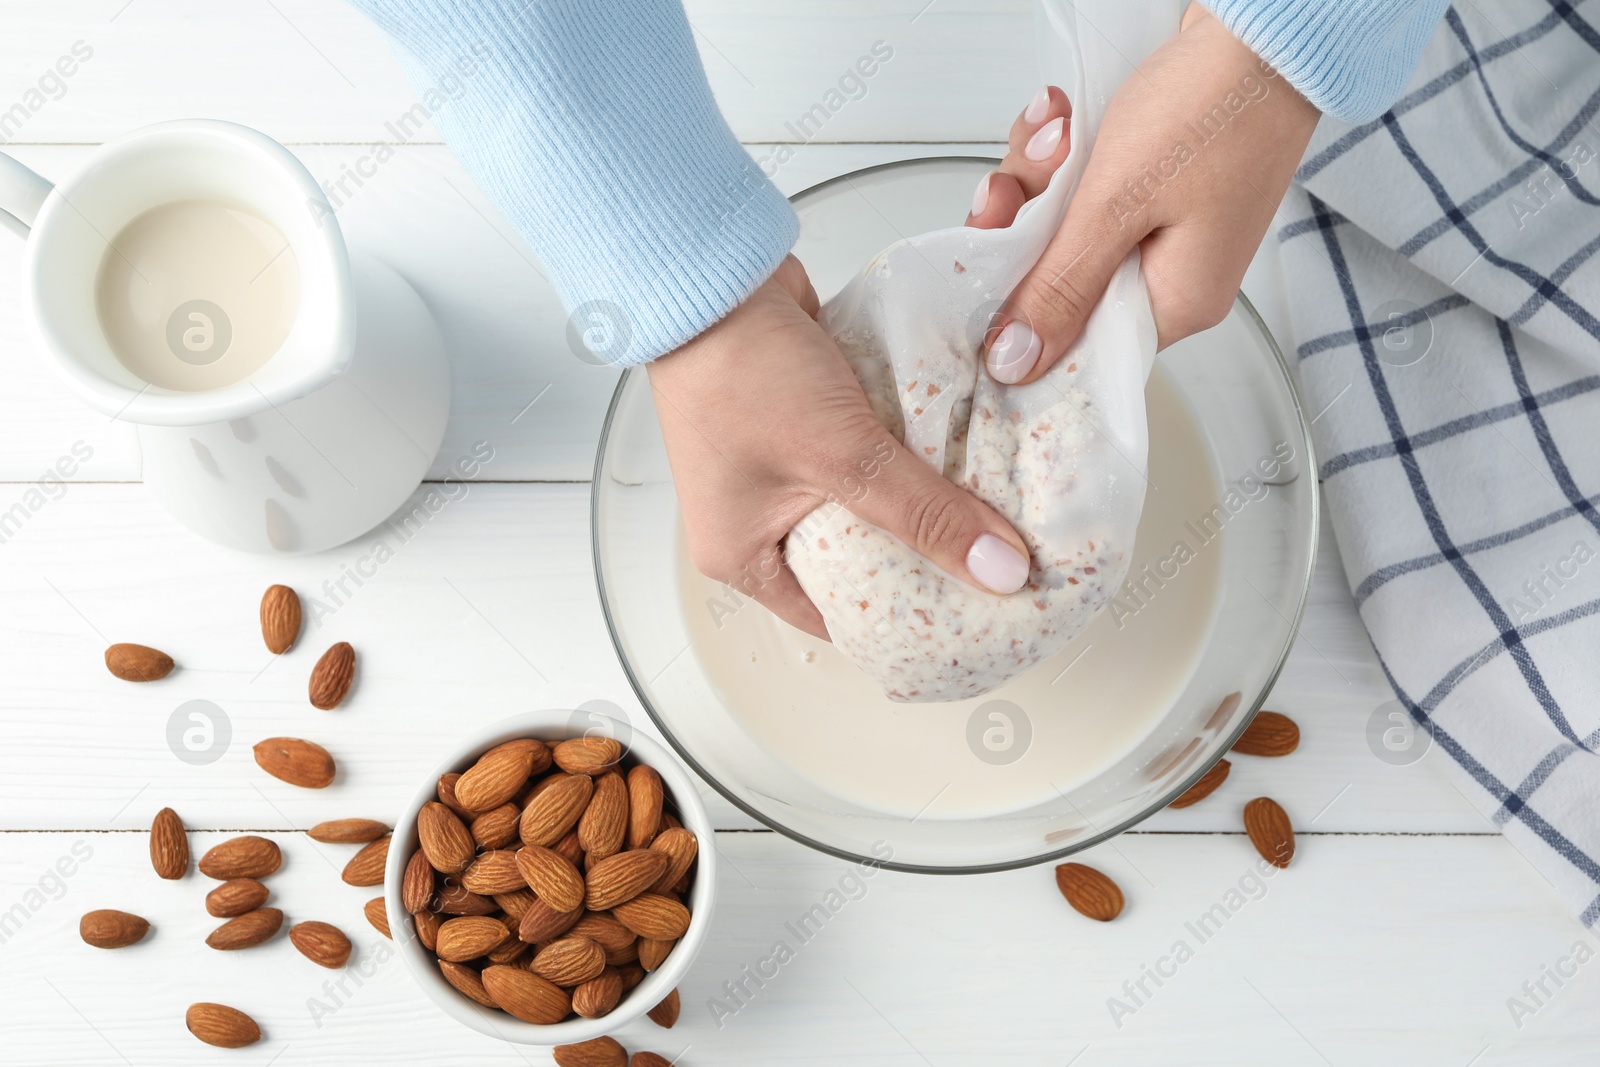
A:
548	883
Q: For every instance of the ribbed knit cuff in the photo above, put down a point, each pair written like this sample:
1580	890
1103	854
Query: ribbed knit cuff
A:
1350	58
591	125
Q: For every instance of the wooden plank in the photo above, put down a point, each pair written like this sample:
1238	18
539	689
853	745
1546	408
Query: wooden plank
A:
1367	950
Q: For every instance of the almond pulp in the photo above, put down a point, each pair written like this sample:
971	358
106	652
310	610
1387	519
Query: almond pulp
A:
280	618
296	761
241	857
331	677
109	928
322	943
1089	891
137	663
169	845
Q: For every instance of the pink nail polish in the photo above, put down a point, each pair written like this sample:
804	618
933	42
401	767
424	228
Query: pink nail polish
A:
1038	107
996	565
1043	145
980	196
1013	353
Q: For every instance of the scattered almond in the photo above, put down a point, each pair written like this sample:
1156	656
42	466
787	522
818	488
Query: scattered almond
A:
444	838
1270	830
649	1059
366	867
221	1026
1269	734
1205	786
241	857
377	913
525	995
347	831
322	943
109	928
331	677
280	618
600	1052
469	936
169	845
137	663
622	877
247	930
235	897
298	762
1089	891
665	1014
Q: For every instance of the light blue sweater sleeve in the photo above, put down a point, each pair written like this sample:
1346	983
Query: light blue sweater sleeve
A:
591	125
1351	58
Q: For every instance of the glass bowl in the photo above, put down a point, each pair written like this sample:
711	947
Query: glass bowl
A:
1136	711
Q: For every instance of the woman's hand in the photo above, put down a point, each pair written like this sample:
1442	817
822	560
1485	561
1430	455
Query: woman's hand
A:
1190	163
764	421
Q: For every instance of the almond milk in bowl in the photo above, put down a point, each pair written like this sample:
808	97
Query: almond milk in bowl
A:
1081	747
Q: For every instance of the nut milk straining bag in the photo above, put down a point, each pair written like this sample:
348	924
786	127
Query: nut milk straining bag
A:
1062	459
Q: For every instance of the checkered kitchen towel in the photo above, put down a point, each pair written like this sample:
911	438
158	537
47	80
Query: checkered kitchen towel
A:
1445	292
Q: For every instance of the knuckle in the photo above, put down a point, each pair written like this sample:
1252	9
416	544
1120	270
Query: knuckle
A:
934	518
1058	296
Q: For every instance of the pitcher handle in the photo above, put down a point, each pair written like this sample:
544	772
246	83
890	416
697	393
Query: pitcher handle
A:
22	193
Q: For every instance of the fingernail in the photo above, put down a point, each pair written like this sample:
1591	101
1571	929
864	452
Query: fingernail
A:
1042	145
1014	352
997	566
1038	107
980	196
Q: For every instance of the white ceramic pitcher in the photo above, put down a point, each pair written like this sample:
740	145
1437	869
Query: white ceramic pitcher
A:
322	442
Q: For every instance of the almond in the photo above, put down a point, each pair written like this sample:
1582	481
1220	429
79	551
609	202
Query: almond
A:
649	1059
467	981
1205	786
136	663
605	931
452	899
221	1026
508	951
623	956
347	831
536	749
109	928
597	996
604	826
427	924
498	776
1089	891
493	872
298	762
241	857
515	903
540	922
570	848
549	816
322	943
447	794
444	838
169	845
246	931
600	1052
416	885
665	1014
550	875
653	953
525	995
569	961
644	806
366	867
331	677
1269	734
496	828
631	974
653	915
1270	830
280	618
235	897
377	913
469	937
587	755
680	847
622	877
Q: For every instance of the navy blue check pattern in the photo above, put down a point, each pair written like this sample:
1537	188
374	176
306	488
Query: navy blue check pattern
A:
1445	292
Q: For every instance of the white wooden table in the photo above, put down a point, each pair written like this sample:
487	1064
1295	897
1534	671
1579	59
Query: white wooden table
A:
1400	933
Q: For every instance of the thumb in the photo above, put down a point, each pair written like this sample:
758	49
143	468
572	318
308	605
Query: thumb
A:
942	521
1049	307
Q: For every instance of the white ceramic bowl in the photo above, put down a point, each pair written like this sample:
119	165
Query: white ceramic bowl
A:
681	796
